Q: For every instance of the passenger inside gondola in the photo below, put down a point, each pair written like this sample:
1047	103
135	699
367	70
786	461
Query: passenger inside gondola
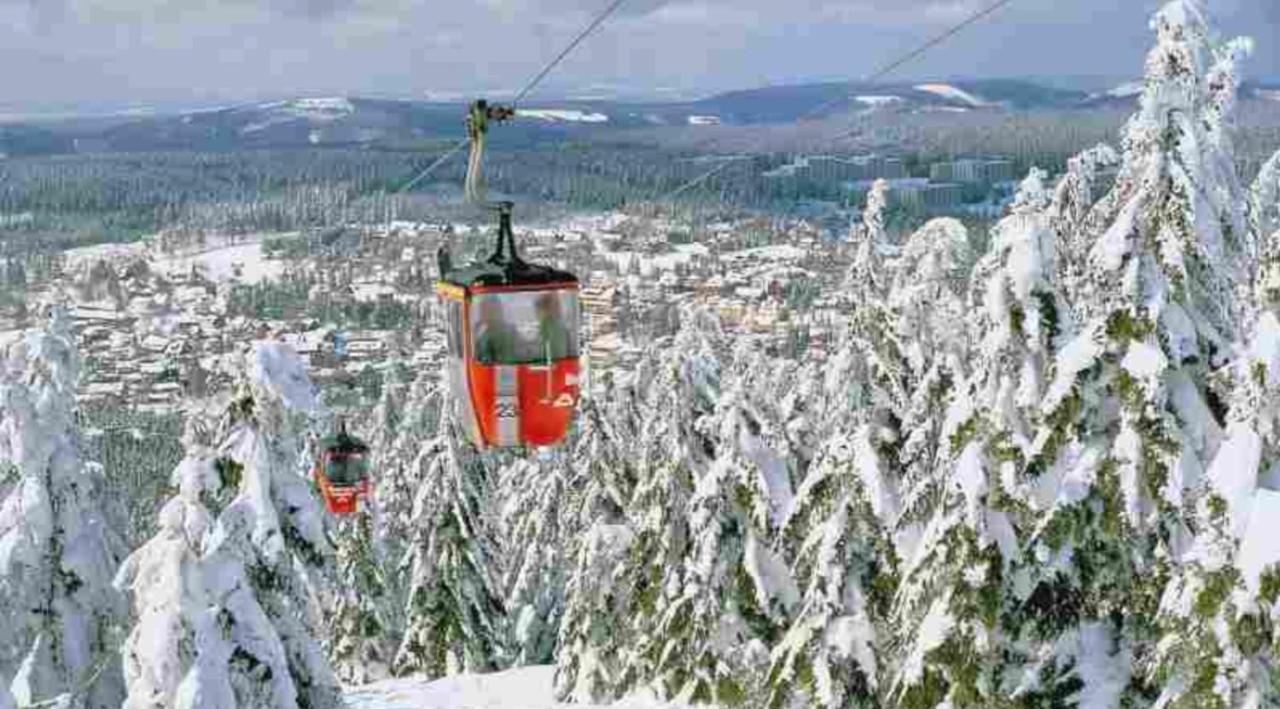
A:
495	338
554	337
524	328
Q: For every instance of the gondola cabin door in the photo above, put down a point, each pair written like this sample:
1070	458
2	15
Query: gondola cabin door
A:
513	360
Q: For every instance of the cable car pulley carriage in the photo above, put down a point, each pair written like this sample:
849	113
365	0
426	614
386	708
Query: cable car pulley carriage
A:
512	329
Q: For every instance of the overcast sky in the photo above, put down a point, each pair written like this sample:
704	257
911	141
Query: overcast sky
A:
233	50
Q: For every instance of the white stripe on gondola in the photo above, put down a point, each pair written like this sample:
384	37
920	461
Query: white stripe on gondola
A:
506	404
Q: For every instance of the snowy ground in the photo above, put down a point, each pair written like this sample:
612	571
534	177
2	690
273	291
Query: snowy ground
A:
521	688
220	260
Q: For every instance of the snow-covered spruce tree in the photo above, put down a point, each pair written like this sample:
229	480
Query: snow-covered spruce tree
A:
949	610
384	422
454	618
736	594
1129	421
1073	215
928	307
165	581
604	476
1219	646
589	657
593	642
1264	206
779	422
59	613
866	277
837	531
537	552
677	447
254	636
362	626
400	463
1223	191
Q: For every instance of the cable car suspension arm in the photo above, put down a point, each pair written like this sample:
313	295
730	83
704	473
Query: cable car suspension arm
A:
477	154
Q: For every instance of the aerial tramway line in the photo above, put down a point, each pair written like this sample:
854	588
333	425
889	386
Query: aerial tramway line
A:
512	326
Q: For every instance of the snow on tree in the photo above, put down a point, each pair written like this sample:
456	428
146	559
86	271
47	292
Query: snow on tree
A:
537	549
830	654
398	460
735	594
1222	187
1128	421
837	529
164	579
454	618
596	630
58	549
384	421
1073	214
1264	212
604	476
1217	645
929	309
249	638
677	443
866	279
362	629
949	609
1020	321
591	654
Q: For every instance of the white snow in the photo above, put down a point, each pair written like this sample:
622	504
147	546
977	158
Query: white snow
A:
521	688
878	100
1233	474
1111	249
1126	90
948	91
1105	675
279	369
1144	361
240	262
1261	546
971	476
704	120
222	260
566	115
933	632
1265	347
770	574
1076	357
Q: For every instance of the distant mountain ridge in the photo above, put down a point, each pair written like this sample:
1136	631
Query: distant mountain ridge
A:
357	121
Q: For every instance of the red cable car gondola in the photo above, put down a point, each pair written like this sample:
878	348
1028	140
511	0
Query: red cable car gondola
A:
342	472
513	345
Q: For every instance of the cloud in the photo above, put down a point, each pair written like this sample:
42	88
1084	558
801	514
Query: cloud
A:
145	49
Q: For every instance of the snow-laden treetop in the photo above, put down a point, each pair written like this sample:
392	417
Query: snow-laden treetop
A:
277	369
